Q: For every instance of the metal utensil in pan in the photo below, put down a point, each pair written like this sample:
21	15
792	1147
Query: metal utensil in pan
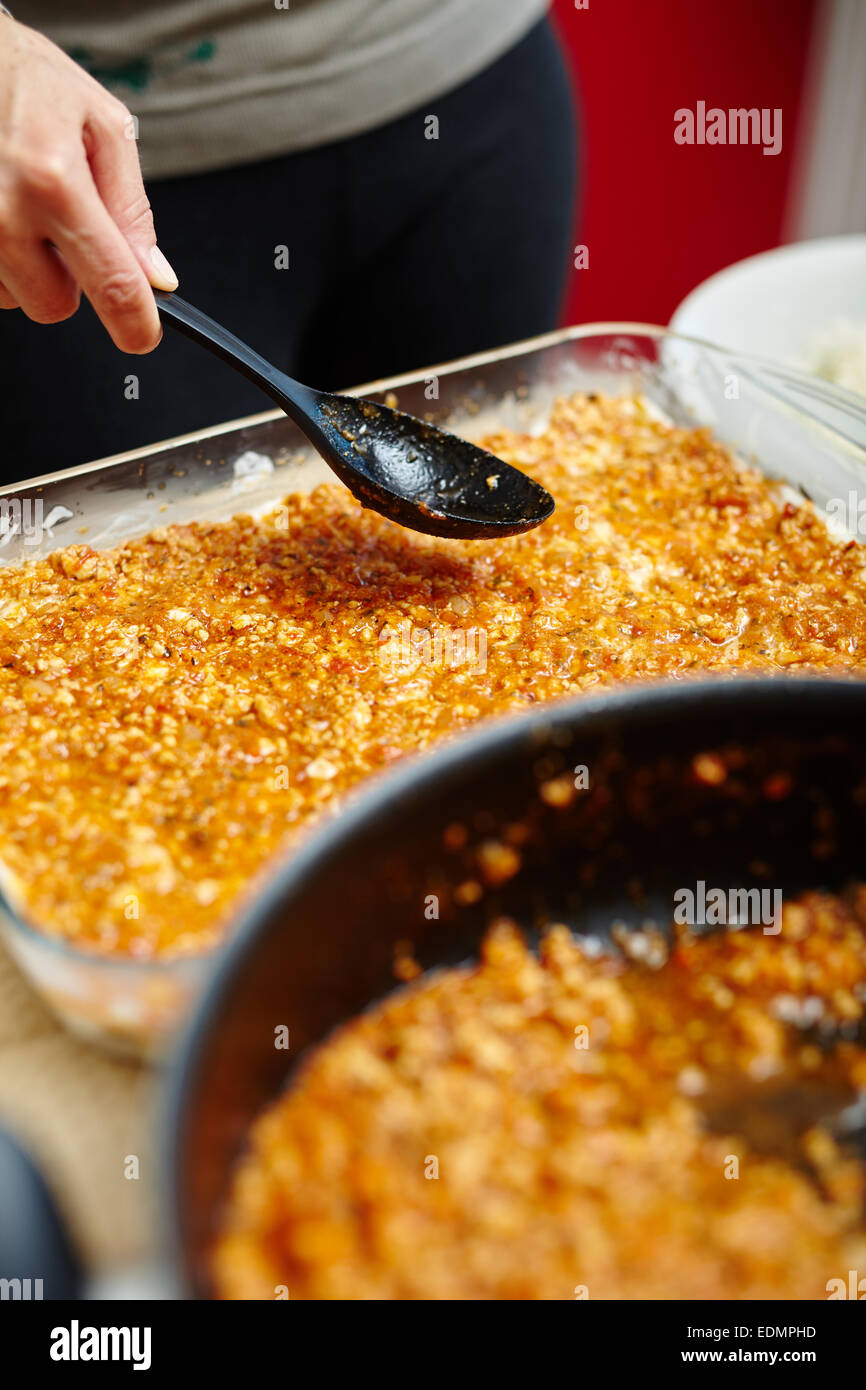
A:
318	945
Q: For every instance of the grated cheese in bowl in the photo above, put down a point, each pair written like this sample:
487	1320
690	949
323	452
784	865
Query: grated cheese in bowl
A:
838	354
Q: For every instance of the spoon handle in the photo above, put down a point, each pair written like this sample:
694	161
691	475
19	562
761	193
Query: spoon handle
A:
289	394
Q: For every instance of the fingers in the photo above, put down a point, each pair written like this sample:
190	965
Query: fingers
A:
109	138
56	205
105	266
99	258
74	216
35	279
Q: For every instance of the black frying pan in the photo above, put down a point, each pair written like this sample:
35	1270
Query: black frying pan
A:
318	945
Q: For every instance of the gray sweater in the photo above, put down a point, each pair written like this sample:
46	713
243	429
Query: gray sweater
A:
221	82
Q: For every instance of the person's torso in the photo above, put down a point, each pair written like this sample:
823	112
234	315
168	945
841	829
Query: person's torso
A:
224	81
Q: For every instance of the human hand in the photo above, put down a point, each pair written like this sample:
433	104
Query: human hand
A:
74	216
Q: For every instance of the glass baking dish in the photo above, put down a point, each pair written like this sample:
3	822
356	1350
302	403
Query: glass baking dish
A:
807	435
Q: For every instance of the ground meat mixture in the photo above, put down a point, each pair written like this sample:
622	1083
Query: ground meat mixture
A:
175	710
570	1125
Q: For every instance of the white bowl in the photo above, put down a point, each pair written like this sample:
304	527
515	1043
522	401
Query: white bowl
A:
781	304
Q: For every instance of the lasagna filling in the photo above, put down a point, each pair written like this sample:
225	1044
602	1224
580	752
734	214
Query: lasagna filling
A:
176	710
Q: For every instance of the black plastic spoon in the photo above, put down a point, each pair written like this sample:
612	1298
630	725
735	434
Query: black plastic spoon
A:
400	466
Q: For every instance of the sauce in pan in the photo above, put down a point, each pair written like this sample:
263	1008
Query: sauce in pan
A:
567	1125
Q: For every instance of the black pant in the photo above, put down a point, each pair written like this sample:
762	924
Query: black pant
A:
403	251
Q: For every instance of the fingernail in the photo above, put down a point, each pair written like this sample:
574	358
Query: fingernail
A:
164	277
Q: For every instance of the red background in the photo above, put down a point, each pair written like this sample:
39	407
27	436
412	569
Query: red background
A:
658	217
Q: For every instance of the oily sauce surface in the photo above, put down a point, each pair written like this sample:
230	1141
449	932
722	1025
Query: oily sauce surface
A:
176	710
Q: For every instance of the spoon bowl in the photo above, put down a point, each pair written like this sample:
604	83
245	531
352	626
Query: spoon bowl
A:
406	469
